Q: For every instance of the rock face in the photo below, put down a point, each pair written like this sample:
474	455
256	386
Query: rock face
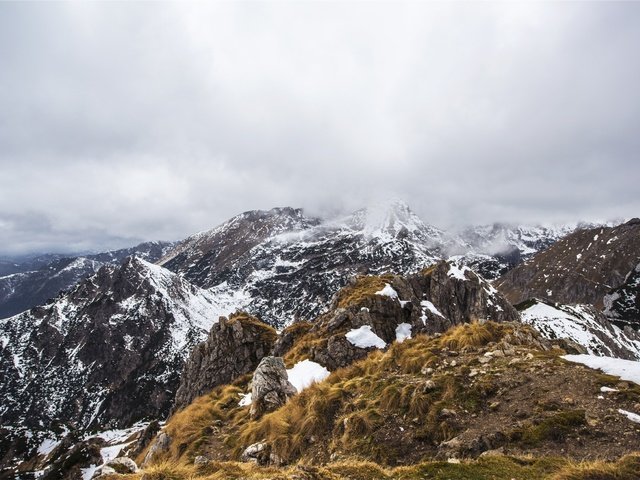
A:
428	302
622	304
42	278
270	387
579	269
107	353
234	347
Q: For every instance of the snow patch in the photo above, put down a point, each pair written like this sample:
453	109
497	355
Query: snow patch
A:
625	369
634	417
364	337
306	373
403	331
457	272
388	291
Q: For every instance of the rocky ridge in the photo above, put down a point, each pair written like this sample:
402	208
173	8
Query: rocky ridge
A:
578	269
33	281
105	354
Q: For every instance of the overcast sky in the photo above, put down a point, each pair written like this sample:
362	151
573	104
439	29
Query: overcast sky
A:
122	122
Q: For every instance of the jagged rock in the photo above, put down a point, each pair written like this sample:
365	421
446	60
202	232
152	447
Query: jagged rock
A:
161	445
270	387
428	302
79	455
123	465
234	347
622	304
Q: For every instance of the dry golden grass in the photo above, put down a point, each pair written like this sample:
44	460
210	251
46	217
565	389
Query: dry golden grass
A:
473	335
268	332
364	287
494	468
627	468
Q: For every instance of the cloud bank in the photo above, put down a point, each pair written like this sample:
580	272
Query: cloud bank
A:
125	122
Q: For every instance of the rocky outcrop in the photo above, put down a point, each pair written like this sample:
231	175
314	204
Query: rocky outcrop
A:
233	348
622	304
428	302
270	387
579	269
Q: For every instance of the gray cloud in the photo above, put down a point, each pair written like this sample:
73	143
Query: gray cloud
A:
123	122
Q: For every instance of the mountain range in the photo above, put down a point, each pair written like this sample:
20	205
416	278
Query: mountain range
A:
110	348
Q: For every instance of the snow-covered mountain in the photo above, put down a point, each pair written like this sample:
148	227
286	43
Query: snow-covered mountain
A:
584	325
492	250
108	352
581	268
281	265
32	281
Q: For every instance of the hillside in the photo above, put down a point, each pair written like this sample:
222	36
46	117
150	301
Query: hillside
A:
581	268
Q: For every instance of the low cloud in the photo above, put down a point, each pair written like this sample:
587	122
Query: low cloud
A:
130	122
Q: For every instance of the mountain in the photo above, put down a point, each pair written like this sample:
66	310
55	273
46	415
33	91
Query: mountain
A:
581	268
106	353
584	325
282	266
492	250
32	281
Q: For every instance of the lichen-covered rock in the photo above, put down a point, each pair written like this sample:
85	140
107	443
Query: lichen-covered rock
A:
103	472
258	453
161	445
123	465
270	387
234	347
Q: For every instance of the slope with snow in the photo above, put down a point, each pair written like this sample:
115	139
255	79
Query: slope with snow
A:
106	353
584	325
36	280
286	266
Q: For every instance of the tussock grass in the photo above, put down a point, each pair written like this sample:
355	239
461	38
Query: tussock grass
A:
268	333
627	468
364	287
473	335
555	427
493	468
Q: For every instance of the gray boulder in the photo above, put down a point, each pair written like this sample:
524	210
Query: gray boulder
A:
270	387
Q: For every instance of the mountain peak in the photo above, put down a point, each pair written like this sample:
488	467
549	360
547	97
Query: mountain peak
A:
387	219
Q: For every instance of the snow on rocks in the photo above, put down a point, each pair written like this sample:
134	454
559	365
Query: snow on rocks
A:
431	307
458	272
303	374
364	337
625	369
388	291
403	331
583	325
